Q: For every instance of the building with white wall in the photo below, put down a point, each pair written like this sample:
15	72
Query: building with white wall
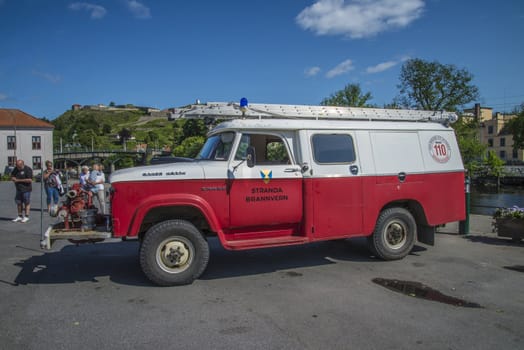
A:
25	137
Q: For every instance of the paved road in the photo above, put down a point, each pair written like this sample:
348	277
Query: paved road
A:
319	296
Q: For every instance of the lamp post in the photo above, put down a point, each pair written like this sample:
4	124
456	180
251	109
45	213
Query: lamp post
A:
92	139
73	137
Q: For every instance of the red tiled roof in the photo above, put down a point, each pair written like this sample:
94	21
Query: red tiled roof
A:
10	118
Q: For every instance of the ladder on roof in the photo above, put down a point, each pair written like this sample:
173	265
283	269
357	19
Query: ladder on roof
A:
225	110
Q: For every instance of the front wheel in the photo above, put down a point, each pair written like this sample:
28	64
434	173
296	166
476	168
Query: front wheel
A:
394	234
173	253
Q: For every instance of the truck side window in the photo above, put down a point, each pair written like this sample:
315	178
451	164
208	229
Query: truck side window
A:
333	148
270	149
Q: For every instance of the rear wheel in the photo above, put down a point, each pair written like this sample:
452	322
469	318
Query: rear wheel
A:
173	253
394	234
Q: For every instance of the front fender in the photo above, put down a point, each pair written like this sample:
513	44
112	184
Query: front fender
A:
169	200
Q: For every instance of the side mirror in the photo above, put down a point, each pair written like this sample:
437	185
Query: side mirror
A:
251	158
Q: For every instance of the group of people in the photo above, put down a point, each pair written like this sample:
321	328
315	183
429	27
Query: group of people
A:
22	177
93	181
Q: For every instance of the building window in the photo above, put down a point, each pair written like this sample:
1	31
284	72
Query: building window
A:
490	129
36	141
37	162
490	142
515	154
11	142
502	142
11	161
502	154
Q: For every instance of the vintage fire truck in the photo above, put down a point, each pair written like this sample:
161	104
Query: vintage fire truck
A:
275	175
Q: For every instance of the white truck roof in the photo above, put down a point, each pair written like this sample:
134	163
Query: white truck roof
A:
297	124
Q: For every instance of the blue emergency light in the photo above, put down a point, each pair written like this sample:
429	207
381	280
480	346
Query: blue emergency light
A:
243	102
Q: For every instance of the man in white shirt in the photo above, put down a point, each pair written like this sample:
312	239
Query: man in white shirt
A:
99	184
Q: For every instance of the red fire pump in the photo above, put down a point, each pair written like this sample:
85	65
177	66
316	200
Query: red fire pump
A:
77	210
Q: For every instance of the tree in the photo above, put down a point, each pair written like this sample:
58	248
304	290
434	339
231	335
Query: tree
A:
194	127
495	166
350	96
124	134
435	86
516	127
471	149
189	147
106	128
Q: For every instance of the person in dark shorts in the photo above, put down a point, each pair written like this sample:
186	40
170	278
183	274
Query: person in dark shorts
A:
22	176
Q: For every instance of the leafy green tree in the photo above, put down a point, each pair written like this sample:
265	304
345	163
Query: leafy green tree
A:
471	149
276	151
124	134
435	86
151	137
516	127
125	162
178	132
494	166
350	96
189	147
194	127
106	128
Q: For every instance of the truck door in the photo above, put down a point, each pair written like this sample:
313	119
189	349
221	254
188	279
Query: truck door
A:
333	186
269	194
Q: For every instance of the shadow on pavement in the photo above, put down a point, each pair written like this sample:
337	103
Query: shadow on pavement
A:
119	261
493	240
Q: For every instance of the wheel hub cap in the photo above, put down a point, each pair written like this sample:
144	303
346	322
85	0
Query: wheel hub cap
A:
395	234
175	254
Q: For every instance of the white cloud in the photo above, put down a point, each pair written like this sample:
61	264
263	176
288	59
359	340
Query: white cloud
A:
3	97
138	9
312	71
358	18
52	78
340	69
381	67
97	11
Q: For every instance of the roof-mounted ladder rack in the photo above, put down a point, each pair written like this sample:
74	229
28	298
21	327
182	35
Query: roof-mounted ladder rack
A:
225	110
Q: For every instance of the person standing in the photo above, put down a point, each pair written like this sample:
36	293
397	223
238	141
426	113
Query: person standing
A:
99	184
51	183
84	176
22	176
91	180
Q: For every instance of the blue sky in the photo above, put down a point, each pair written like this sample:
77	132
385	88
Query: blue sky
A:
54	53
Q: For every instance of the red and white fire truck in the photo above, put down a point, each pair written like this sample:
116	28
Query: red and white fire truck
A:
275	175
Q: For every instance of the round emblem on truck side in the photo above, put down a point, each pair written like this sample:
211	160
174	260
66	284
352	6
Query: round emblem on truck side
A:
439	149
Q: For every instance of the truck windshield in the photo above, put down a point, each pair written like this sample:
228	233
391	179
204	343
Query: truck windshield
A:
217	147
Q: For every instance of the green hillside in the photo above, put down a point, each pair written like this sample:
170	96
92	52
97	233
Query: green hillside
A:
86	128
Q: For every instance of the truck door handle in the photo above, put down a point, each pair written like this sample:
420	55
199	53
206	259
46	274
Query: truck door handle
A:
353	169
292	170
402	176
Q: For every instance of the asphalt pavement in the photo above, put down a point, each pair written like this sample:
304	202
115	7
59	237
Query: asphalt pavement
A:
317	296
